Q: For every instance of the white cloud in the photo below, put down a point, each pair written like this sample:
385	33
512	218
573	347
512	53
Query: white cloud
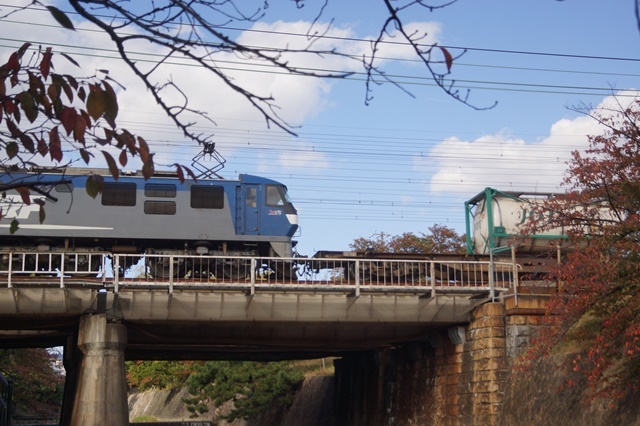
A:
298	98
509	163
300	157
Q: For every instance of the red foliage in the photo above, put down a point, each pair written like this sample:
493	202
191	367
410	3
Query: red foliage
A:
597	306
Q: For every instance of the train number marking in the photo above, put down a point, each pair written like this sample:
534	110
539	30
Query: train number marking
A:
13	207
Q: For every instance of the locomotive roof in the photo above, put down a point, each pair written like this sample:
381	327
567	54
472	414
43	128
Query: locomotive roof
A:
81	171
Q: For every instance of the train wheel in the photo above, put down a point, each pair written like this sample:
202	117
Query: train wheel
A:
159	267
17	261
81	265
202	269
236	269
283	270
363	272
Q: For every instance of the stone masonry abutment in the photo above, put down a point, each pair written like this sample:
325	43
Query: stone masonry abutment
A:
457	377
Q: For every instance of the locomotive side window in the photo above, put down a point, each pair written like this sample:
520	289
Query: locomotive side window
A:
160	207
274	196
119	194
160	190
207	197
64	187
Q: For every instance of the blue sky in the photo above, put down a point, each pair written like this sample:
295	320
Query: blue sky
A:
402	163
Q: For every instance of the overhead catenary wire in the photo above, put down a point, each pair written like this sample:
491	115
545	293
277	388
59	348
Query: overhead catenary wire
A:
398	157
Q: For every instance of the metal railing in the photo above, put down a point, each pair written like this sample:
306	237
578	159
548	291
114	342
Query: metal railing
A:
254	273
40	265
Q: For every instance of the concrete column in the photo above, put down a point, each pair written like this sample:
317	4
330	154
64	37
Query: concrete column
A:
101	394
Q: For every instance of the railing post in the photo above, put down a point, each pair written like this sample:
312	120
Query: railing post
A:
357	274
492	291
116	272
103	264
10	269
61	267
252	275
432	272
170	274
515	275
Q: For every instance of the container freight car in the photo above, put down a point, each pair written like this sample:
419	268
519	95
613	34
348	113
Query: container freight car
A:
494	219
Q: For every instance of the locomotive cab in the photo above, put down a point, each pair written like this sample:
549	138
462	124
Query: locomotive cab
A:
268	212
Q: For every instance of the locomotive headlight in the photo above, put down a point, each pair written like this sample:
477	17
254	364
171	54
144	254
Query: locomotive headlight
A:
292	218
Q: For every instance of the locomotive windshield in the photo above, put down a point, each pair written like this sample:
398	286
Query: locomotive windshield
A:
277	195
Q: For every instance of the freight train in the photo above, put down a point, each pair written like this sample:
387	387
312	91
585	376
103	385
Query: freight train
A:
251	216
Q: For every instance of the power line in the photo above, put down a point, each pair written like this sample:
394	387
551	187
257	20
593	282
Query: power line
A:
390	42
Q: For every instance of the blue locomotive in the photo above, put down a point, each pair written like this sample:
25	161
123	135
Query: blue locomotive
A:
251	216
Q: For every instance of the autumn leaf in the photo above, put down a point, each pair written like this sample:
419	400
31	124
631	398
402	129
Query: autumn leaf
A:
143	150
85	155
61	17
55	148
23	49
68	118
190	173
111	163
24	194
70	59
45	64
111	102
80	129
43	149
448	59
41	214
27	142
179	172
95	103
147	168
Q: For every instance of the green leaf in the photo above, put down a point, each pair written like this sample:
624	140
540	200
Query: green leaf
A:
28	106
12	149
14	226
61	17
92	186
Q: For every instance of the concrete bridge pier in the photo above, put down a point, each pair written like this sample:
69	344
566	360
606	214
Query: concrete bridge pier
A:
101	391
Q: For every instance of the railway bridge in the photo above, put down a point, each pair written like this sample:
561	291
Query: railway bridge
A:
112	307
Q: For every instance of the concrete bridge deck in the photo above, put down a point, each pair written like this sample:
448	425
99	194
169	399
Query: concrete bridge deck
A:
211	306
